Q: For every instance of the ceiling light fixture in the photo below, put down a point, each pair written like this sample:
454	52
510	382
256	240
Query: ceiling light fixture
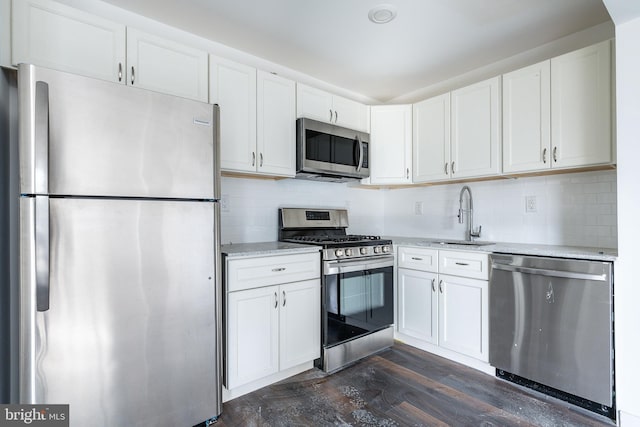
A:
382	13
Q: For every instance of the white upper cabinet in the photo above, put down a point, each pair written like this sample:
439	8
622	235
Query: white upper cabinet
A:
432	139
257	118
475	130
557	114
233	88
581	107
390	145
276	125
319	105
163	65
55	36
526	135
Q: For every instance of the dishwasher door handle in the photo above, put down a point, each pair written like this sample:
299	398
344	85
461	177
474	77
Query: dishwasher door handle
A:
550	273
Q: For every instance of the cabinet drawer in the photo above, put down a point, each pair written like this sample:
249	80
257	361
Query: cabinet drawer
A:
422	259
247	273
464	264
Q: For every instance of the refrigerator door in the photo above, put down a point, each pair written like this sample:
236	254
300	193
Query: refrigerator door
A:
85	137
129	335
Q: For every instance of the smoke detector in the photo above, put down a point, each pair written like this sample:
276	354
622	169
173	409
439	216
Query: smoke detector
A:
382	13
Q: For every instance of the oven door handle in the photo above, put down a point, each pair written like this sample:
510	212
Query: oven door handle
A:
337	267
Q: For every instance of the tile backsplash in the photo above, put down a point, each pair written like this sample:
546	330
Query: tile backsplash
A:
570	209
577	209
250	206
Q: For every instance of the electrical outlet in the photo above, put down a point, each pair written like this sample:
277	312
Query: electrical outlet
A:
531	204
224	203
418	208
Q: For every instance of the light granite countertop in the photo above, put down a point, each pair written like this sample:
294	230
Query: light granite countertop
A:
600	254
233	250
281	248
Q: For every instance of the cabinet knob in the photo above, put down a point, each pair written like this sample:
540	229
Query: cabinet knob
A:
446	168
440	286
336	121
555	154
407	173
453	168
133	75
433	284
253	158
330	115
119	71
275	298
544	156
284	298
261	160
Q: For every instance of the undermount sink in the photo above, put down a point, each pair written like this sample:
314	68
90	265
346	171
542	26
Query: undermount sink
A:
456	242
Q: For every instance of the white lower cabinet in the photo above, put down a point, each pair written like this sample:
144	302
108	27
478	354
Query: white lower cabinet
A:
447	313
418	304
463	318
272	330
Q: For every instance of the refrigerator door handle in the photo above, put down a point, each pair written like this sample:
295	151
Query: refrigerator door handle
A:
41	148
42	252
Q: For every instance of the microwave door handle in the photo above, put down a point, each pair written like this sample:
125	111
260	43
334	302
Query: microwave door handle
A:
360	154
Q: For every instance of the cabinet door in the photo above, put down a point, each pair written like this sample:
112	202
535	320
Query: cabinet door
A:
418	304
276	125
475	130
314	103
55	36
233	87
390	146
299	323
581	107
432	139
350	114
163	65
252	335
526	103
463	316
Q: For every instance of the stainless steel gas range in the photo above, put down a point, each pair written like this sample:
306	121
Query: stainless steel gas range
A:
357	284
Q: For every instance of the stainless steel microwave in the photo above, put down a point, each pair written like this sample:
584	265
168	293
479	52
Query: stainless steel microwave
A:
327	152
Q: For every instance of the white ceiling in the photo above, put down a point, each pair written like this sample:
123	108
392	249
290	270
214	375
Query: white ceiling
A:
333	40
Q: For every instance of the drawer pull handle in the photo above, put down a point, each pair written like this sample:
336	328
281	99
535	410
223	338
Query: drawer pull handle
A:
461	263
284	298
275	295
415	258
440	286
278	269
433	285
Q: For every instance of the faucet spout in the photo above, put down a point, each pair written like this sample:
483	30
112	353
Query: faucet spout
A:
470	232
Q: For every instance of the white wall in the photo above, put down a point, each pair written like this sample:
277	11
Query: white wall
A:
251	213
627	283
577	209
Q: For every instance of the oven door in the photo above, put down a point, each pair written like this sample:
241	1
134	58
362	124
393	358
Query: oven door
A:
358	298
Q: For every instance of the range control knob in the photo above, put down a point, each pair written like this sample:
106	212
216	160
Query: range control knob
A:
339	252
377	249
363	251
386	249
348	252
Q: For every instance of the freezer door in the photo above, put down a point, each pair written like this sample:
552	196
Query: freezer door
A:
87	137
129	336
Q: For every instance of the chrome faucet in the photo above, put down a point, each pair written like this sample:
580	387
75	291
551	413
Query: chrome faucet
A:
470	233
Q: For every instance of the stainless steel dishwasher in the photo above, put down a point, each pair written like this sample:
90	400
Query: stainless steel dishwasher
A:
551	327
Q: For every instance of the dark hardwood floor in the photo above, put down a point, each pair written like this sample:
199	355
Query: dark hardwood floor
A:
402	386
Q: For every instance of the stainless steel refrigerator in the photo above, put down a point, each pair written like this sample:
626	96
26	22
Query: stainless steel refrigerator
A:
119	253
